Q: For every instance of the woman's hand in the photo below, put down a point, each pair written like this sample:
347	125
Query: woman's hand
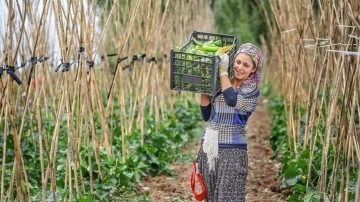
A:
223	65
204	99
223	72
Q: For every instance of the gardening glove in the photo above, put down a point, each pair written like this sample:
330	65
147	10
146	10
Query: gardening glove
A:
223	65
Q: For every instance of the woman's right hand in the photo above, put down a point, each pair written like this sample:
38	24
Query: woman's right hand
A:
204	99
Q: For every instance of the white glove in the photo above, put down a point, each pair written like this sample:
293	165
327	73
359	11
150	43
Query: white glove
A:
223	65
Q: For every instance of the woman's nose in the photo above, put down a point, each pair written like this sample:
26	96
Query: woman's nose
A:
238	67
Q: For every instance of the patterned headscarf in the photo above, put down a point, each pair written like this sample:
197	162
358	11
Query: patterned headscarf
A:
255	53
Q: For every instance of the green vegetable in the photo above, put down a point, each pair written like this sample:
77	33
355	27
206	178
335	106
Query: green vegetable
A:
198	43
218	43
210	43
210	48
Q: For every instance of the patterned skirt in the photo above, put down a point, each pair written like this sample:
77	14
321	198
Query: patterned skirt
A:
227	182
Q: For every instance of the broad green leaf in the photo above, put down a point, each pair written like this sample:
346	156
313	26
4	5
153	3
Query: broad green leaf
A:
300	188
291	171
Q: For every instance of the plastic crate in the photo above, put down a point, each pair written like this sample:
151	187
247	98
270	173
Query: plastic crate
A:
199	73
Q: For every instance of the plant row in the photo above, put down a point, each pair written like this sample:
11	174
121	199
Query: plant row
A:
300	169
112	178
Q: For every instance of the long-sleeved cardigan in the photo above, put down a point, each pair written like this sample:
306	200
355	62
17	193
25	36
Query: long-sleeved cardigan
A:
228	114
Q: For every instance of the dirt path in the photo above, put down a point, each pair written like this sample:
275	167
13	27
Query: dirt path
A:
262	185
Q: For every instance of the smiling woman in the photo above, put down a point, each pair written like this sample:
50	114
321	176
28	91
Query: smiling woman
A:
223	160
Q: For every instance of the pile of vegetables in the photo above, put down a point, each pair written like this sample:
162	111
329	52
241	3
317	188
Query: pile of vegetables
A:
193	65
208	48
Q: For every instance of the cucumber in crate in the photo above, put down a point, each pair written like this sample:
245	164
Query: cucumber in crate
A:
194	65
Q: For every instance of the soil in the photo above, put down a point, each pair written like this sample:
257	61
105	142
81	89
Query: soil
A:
263	184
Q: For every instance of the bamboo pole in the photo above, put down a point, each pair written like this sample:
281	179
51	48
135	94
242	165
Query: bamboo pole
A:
4	149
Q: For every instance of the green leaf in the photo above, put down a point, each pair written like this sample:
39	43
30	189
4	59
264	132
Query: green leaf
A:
312	196
300	188
291	171
108	186
60	167
294	198
302	166
305	154
291	181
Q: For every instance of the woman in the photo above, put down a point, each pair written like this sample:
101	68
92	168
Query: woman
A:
222	158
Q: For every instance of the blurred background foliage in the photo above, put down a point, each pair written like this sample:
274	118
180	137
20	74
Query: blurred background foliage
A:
242	18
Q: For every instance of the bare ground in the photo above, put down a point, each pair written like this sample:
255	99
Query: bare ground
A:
262	183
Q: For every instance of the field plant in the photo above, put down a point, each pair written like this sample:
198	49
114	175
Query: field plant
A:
85	105
114	178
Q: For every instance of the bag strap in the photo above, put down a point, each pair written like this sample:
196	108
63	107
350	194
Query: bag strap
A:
198	196
192	180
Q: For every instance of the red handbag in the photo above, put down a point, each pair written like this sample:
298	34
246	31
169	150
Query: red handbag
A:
195	174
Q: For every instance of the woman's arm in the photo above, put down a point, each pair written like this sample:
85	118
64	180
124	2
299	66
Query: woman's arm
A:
205	105
247	98
225	82
227	90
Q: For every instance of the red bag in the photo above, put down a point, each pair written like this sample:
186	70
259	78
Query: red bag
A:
195	174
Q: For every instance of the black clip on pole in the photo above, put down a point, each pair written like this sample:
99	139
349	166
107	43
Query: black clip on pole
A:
119	60
34	60
66	67
90	63
11	71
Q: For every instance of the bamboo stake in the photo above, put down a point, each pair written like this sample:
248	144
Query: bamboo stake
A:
4	149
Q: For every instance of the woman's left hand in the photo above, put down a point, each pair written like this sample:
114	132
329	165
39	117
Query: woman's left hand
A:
223	65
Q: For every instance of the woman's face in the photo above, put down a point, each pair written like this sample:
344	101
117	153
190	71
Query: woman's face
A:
243	66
